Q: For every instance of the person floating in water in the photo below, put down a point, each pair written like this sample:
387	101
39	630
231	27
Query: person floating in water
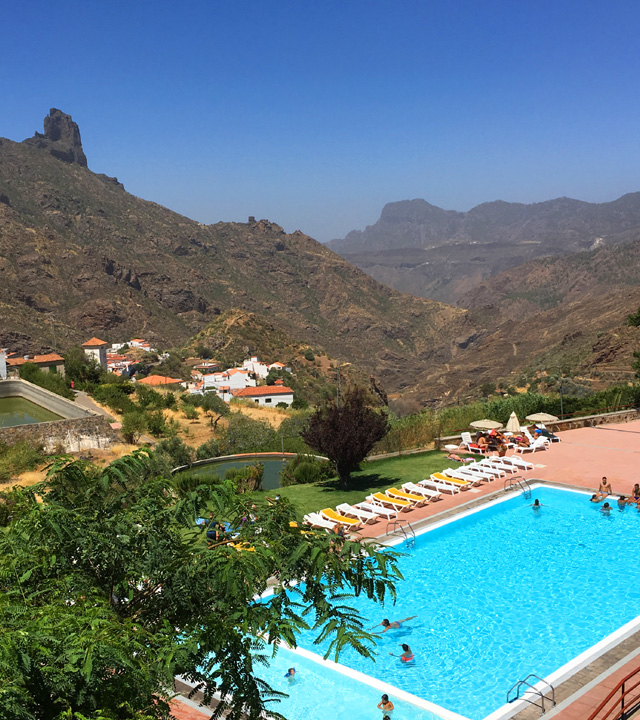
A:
407	655
386	706
395	625
290	674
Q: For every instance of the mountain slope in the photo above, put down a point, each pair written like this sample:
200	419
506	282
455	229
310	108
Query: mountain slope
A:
419	248
80	256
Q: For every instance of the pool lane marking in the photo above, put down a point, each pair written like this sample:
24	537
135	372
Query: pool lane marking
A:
384	687
567	702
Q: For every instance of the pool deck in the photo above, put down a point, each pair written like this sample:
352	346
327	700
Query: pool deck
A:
580	460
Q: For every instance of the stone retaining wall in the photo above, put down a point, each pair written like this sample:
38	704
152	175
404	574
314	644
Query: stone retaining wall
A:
71	435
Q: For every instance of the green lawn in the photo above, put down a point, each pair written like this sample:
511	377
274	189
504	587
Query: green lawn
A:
373	477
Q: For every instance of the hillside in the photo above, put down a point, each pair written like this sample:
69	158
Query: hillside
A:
441	254
79	256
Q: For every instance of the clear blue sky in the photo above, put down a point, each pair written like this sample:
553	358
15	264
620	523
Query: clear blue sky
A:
314	113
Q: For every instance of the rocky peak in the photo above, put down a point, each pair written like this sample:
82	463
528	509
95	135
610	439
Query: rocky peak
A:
61	138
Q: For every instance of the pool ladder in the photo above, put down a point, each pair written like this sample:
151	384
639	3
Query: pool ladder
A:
537	697
518	483
397	527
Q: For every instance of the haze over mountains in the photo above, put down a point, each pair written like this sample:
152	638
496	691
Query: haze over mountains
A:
418	248
79	256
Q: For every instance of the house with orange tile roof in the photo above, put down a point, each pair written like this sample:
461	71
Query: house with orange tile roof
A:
96	349
158	382
266	394
51	362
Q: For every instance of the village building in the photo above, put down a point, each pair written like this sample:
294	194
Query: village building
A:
96	349
259	369
160	382
266	394
51	362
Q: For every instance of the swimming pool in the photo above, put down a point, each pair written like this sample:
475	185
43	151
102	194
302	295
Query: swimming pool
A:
499	594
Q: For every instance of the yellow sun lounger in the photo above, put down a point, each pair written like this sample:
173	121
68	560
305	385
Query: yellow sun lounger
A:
454	481
331	514
397	503
403	495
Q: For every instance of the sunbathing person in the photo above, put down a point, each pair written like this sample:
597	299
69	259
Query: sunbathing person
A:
395	624
482	442
521	440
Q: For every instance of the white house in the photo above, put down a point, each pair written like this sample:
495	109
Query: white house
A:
97	349
235	379
266	394
259	369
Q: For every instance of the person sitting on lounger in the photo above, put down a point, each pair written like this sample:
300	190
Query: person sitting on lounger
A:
605	488
482	442
395	625
407	655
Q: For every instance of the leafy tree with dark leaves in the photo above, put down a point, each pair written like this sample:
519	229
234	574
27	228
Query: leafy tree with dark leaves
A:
108	590
345	431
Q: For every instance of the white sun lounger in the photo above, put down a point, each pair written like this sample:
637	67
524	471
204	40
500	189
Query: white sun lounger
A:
363	515
476	471
316	520
421	490
518	462
467	441
497	463
396	503
489	465
470	477
535	445
440	486
377	510
489	472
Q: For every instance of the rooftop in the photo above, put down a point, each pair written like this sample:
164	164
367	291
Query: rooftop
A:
94	342
263	390
159	380
49	358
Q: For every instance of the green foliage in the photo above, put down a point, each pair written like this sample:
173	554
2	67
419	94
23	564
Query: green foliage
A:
308	354
634	318
305	469
18	458
246	479
176	450
208	449
173	366
134	423
148	398
190	412
299	403
279	374
157	423
116	396
170	402
204	352
346	432
107	591
49	381
211	403
487	388
85	371
244	434
189	480
282	406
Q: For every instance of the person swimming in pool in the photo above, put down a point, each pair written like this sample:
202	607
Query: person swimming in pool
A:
536	505
290	674
605	509
406	656
622	502
395	625
386	706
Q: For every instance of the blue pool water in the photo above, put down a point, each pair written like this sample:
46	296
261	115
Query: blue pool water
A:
499	594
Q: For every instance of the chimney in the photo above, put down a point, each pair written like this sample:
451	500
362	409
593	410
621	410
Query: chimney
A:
279	382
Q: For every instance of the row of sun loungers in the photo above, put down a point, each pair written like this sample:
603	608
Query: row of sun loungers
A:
386	505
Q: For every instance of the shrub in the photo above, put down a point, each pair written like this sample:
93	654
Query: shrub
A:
170	401
282	406
188	480
211	403
115	396
305	469
148	398
246	479
299	404
178	452
18	458
156	423
133	425
208	449
308	354
243	434
190	412
49	381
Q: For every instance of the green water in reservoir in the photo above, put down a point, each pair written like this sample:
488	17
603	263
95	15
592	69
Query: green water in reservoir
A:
20	411
270	479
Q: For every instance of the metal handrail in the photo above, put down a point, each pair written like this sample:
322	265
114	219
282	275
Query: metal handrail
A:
626	705
397	528
532	689
518	481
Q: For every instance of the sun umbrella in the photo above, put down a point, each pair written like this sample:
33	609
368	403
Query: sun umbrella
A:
541	418
513	424
485	424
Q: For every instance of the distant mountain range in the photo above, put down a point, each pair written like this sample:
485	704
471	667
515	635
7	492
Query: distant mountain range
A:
440	254
79	256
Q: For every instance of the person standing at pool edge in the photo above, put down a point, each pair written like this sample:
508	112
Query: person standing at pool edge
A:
386	706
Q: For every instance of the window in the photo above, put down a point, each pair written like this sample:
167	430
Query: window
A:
267	400
53	368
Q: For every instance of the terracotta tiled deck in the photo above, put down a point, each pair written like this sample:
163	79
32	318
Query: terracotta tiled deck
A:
582	458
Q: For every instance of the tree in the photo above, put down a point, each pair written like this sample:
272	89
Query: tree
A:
48	380
80	368
634	318
346	431
243	434
108	590
178	452
134	424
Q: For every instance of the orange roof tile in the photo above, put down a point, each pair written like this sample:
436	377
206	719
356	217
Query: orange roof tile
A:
263	390
50	358
159	380
94	342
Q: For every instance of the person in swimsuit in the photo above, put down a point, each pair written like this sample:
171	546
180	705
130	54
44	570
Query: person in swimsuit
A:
406	656
290	674
395	625
634	498
622	502
386	706
604	489
536	505
605	509
594	498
